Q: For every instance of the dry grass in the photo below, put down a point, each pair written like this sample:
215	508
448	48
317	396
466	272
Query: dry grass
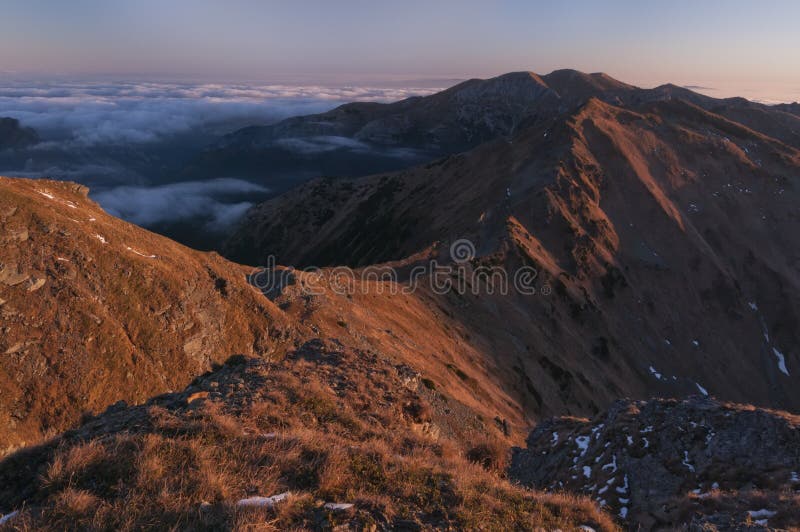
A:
491	453
271	431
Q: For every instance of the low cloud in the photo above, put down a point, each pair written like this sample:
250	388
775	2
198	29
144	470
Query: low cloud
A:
128	140
216	204
329	143
321	144
118	113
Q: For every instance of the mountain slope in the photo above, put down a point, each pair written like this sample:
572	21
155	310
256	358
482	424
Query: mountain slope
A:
95	310
667	235
335	434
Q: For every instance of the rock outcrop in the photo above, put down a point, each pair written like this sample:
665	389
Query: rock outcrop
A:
662	464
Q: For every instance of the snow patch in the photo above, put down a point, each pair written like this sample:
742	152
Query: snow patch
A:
624	488
655	373
583	444
101	239
685	462
781	361
587	471
8	517
265	502
612	465
702	390
140	253
761	514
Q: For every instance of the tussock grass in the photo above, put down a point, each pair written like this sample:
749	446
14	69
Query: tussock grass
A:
269	429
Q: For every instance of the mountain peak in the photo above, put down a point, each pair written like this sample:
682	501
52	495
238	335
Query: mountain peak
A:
571	83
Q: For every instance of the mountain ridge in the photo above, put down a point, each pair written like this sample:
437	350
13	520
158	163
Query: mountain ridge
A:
608	205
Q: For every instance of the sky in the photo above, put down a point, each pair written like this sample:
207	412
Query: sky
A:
726	46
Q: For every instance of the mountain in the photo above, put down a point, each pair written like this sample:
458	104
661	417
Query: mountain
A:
12	135
96	310
606	256
452	120
667	235
793	108
332	398
362	138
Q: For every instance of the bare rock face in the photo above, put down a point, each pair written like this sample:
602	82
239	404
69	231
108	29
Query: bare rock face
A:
668	463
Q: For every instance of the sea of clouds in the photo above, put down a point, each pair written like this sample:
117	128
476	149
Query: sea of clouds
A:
213	203
106	133
91	113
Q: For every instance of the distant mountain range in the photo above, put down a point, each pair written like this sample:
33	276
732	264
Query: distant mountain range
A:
362	138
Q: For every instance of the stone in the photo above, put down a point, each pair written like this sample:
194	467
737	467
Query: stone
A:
337	506
263	502
196	397
36	284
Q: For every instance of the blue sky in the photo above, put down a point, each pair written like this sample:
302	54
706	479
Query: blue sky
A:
726	45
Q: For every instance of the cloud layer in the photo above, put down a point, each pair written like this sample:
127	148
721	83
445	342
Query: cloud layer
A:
216	204
92	113
129	140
